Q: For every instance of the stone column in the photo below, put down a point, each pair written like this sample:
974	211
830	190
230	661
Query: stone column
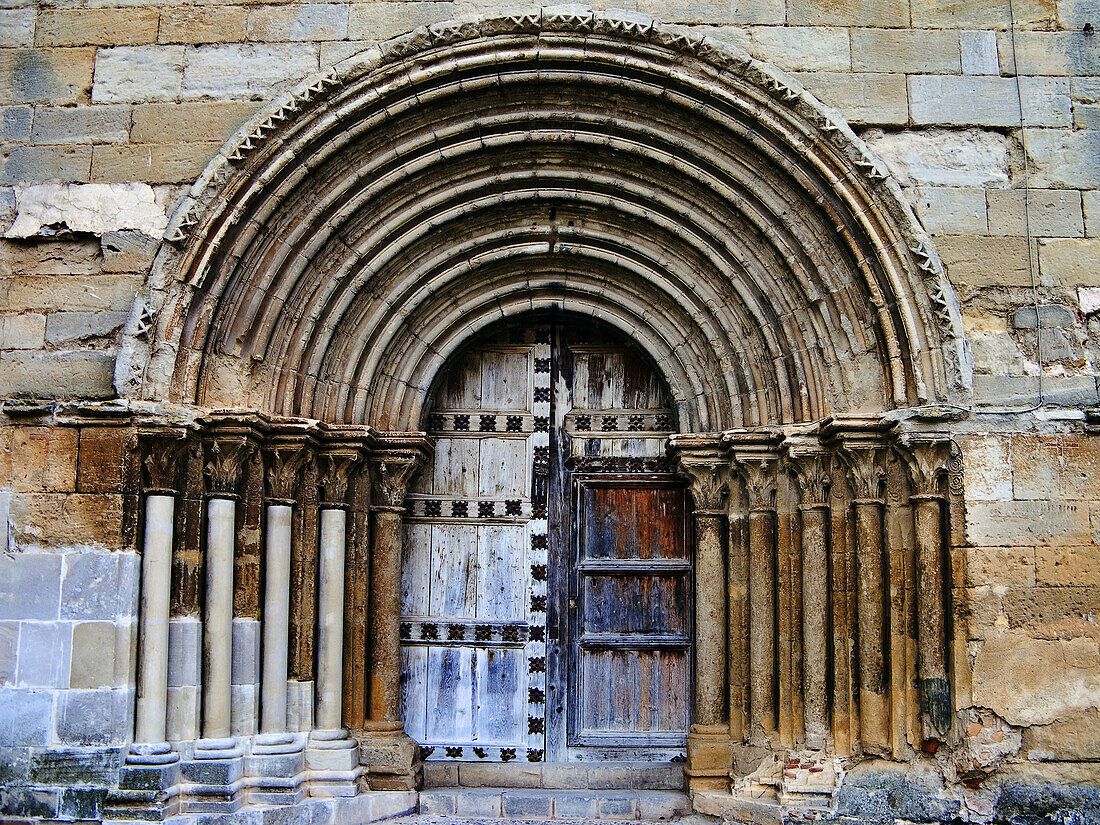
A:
927	458
701	459
755	456
217	760
278	757
810	464
151	766
392	757
333	756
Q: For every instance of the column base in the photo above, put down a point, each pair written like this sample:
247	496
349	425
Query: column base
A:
708	758
332	759
148	784
213	777
391	757
276	769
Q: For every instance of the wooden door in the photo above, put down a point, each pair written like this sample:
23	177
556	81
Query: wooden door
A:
547	581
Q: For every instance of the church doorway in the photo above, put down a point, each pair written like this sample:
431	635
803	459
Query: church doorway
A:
547	577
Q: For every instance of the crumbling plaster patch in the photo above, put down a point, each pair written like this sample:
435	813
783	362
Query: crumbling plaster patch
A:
94	208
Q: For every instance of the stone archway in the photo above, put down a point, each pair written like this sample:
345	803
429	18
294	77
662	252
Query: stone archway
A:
343	246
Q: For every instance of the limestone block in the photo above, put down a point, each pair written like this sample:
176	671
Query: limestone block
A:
94	585
93	717
1070	262
767	12
25	717
35	164
202	24
92	208
83	124
1066	53
982	14
17	27
151	162
1086	116
76	256
15	123
93	661
1089	299
1049	213
1090	202
30	586
9	658
167	122
70	519
1071	391
996	352
905	50
184	652
1000	566
1061	159
980	260
57	76
377	21
44	652
57	374
1036	681
979	52
128	250
951	208
802	48
96	27
967	157
475	775
72	328
987	468
137	74
43	458
1019	523
1061	566
1076	736
248	71
951	100
299	22
52	292
851	13
22	331
1055	467
863	97
184	713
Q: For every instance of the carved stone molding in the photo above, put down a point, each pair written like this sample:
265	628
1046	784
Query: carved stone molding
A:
701	458
755	456
391	471
336	465
225	458
927	458
862	447
284	467
810	463
162	456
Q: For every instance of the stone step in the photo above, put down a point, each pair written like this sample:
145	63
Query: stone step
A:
643	776
557	803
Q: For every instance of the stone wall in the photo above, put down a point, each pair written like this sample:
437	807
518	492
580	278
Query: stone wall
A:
990	122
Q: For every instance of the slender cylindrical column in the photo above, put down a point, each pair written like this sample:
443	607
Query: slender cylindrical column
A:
931	630
218	618
330	619
762	620
276	618
815	622
385	659
874	711
710	620
156	579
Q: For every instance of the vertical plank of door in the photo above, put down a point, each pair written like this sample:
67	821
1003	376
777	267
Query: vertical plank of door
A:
414	689
416	570
501	571
452	588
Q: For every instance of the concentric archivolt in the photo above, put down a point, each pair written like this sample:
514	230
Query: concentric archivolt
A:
356	233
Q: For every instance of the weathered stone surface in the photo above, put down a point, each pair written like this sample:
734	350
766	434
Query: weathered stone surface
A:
151	162
44	651
1035	681
22	331
93	661
246	71
15	123
35	164
77	256
96	27
70	519
802	48
936	99
58	76
864	97
42	458
25	716
1052	213
979	52
69	328
299	22
94	208
97	585
1015	523
136	74
849	13
987	473
1045	315
981	260
953	209
377	21
1063	159
93	717
204	122
202	24
902	50
83	124
1000	567
1076	736
1070	262
30	587
17	27
55	292
981	14
57	375
1049	53
128	250
968	157
876	791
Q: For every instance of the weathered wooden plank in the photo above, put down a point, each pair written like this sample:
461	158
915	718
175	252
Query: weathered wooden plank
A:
500	699
450	694
416	570
461	386
501	571
505	377
456	462
414	690
453	585
503	468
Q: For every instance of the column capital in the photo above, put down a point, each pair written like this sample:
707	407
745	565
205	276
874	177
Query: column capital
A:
861	444
161	450
285	462
225	458
927	456
702	459
810	463
391	471
336	463
755	456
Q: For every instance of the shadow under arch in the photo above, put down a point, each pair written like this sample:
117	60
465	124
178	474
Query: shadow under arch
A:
340	247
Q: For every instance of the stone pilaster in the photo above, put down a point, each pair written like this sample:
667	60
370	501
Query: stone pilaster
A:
701	459
927	457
